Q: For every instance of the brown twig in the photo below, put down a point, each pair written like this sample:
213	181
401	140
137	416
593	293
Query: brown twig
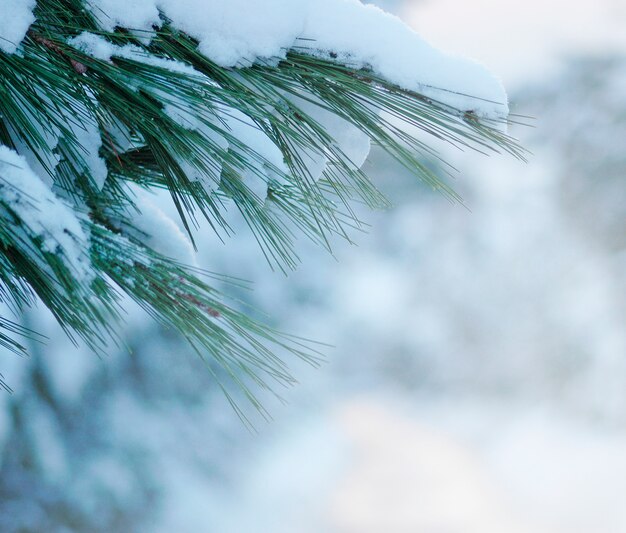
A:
79	68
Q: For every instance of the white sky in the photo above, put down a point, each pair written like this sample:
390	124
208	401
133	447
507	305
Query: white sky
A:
520	39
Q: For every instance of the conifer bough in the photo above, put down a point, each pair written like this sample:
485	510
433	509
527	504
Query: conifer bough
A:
268	106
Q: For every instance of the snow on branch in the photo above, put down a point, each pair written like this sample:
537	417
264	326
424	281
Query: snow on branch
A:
237	33
257	111
16	16
42	214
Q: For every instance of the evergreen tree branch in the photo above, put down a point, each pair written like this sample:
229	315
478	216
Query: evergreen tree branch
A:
96	113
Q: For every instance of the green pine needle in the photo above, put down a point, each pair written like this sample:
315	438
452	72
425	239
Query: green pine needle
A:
52	88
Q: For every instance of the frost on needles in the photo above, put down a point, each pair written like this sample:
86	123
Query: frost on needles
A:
268	107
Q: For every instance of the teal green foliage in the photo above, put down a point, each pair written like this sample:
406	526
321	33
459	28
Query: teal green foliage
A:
49	85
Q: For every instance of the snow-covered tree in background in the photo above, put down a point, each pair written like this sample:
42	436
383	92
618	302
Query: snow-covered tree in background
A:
266	107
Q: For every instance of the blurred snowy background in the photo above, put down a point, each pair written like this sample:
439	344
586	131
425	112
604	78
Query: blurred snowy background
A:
478	377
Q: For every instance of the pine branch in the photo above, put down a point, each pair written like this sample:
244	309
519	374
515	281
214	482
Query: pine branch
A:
96	113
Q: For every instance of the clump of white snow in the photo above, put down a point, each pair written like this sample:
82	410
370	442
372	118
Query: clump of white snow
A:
87	132
159	231
242	128
16	16
43	214
349	141
241	32
98	47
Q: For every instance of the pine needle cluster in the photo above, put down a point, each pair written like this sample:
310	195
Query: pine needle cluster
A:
53	89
